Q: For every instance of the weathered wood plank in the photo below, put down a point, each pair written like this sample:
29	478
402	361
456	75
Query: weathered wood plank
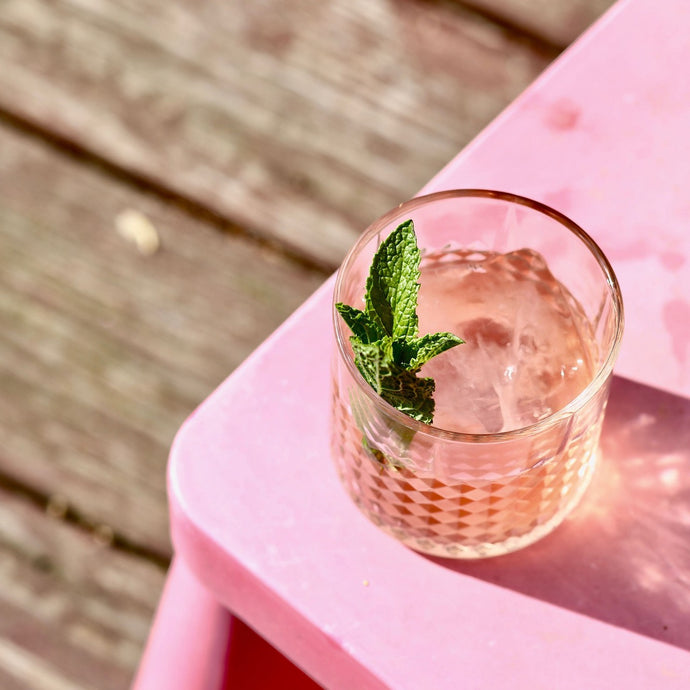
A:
105	351
298	120
74	614
556	21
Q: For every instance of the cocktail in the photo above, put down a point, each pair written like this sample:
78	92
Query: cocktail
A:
499	448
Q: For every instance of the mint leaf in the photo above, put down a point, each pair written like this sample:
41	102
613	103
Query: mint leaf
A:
363	328
396	384
372	361
392	287
414	353
385	336
410	393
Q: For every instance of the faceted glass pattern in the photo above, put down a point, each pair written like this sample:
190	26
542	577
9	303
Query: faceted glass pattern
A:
474	518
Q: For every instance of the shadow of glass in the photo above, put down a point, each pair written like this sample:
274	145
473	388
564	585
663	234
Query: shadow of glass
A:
624	555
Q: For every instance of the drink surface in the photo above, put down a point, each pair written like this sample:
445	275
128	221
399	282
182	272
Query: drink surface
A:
529	348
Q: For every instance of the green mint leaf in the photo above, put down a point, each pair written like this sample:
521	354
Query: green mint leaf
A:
413	353
373	361
360	324
397	385
392	285
385	336
410	394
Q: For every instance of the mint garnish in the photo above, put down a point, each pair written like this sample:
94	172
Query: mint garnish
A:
388	350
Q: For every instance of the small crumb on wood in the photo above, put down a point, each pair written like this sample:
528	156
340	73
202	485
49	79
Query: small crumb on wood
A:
135	227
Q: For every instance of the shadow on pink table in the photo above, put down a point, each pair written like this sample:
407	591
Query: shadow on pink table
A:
624	555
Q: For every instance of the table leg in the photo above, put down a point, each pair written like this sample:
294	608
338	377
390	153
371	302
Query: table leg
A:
188	643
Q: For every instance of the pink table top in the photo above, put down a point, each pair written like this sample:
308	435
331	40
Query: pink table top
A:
260	517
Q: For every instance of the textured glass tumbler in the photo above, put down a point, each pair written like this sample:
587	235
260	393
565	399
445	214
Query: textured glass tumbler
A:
506	481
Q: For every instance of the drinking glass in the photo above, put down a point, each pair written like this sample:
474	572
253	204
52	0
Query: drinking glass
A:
541	310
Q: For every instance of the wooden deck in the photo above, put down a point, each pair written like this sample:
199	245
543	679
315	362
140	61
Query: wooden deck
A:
175	178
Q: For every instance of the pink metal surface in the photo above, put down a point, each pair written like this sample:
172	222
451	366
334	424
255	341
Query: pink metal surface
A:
260	517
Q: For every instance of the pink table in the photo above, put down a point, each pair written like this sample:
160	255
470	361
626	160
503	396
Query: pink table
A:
262	528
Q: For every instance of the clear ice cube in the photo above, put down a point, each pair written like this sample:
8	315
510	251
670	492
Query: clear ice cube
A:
529	348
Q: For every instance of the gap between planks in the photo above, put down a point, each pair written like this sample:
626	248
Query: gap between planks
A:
74	613
538	41
301	121
57	508
128	344
141	183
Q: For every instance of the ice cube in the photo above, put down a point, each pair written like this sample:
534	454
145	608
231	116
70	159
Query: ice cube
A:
528	344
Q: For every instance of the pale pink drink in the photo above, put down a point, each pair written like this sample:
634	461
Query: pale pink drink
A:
519	406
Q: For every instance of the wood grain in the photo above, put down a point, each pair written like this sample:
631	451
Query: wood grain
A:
74	614
105	351
559	23
300	121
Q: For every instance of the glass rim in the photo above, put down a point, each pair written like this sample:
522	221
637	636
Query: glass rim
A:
598	380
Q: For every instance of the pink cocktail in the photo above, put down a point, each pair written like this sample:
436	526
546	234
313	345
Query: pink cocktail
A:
519	406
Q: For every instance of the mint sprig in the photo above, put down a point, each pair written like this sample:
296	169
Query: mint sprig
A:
385	336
